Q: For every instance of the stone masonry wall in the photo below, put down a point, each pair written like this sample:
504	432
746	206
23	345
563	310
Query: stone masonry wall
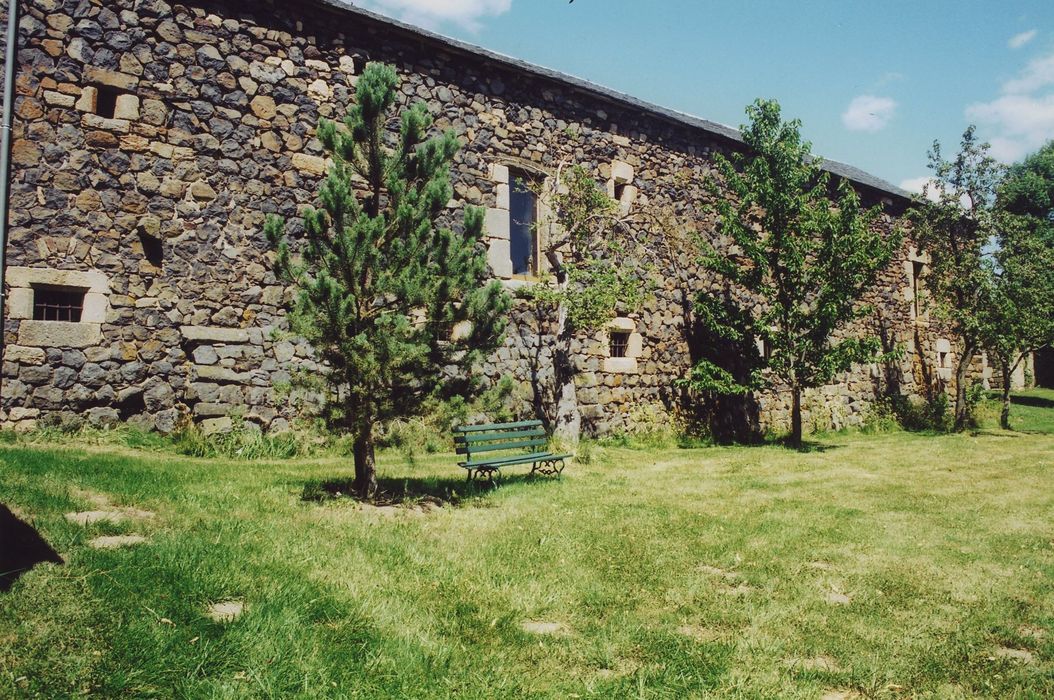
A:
156	211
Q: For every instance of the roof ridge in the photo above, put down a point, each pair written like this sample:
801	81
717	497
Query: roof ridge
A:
835	167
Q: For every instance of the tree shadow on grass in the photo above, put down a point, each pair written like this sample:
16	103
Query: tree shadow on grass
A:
21	548
1033	401
414	490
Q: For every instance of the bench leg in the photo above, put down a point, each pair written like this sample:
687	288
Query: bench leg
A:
470	475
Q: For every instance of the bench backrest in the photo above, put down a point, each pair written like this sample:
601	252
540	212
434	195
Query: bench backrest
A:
474	439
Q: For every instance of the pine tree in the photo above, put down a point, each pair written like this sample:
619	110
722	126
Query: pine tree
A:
799	265
397	307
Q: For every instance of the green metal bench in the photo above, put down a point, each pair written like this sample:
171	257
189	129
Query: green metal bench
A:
487	449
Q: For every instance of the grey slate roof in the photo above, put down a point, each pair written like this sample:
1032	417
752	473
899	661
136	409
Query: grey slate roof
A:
849	172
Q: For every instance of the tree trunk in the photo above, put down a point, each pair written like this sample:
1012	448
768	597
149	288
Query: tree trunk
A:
796	431
365	465
960	388
568	422
1004	417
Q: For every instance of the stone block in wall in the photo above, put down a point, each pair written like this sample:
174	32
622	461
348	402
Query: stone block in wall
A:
214	334
221	375
496	223
101	76
24	355
59	334
499	256
212	426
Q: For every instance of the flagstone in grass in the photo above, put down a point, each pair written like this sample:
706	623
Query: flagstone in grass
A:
225	610
116	541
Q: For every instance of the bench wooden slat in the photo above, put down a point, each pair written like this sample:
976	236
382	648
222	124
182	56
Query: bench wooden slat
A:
497	426
495	437
522	444
520	459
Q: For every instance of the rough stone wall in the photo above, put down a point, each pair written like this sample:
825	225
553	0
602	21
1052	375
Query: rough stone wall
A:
213	128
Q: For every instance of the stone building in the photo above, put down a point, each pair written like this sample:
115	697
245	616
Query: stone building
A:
151	138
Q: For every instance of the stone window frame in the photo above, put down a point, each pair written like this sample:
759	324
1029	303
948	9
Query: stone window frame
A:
22	283
620	186
943	361
634	346
497	224
915	292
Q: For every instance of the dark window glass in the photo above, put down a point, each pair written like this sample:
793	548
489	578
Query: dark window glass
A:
57	304
619	343
106	101
523	212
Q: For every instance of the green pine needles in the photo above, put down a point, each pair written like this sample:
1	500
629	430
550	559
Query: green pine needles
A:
799	264
397	307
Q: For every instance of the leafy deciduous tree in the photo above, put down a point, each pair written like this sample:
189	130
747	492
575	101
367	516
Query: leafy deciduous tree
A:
1018	318
593	272
955	230
380	285
800	263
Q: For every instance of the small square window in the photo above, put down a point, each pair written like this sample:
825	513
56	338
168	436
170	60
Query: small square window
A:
444	331
619	343
106	101
57	304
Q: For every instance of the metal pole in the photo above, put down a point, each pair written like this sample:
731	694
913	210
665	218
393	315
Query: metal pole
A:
10	57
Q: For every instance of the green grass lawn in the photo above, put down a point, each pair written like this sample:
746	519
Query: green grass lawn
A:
878	566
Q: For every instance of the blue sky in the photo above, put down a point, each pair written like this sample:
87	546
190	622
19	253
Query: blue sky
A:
873	83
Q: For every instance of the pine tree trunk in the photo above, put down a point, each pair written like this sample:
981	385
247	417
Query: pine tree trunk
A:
365	464
1004	417
960	388
796	431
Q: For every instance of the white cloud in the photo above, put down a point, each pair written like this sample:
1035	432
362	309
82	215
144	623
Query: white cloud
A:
1022	119
1038	74
1019	40
868	113
432	13
920	185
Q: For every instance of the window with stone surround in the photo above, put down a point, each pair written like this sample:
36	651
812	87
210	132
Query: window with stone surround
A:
918	269
52	303
106	101
618	343
523	217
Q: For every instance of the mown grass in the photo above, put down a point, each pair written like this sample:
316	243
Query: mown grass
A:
672	573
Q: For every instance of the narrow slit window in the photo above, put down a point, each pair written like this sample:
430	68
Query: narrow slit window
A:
619	343
57	304
106	101
620	191
917	270
523	214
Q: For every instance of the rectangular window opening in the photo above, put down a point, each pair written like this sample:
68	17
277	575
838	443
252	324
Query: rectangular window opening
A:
106	101
620	191
58	303
523	217
619	343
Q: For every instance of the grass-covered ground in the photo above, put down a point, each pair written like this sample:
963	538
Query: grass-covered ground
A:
886	566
